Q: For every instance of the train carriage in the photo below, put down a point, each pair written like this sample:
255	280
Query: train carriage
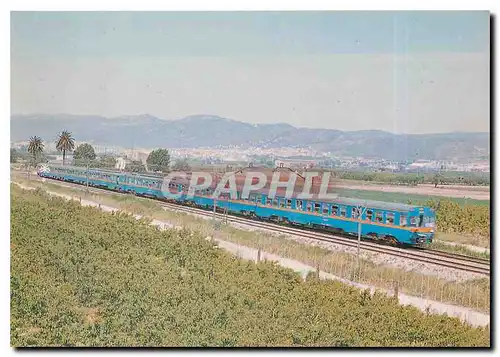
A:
389	222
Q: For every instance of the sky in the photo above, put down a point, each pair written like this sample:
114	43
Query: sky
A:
402	72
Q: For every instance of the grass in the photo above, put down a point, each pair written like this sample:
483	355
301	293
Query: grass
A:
81	278
401	197
473	293
459	249
478	241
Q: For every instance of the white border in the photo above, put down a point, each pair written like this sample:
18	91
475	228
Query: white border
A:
201	5
147	5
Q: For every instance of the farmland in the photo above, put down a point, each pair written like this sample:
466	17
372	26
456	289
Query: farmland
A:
80	277
403	197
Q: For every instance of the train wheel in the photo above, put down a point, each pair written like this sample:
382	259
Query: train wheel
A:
391	240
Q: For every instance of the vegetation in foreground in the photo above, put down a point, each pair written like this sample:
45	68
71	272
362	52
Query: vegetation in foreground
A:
473	293
80	277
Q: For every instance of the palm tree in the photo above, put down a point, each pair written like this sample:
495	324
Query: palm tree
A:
66	142
35	146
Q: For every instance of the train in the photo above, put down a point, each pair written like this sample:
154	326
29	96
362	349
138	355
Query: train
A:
384	222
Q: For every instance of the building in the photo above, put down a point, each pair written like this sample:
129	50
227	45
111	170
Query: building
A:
295	164
58	159
121	163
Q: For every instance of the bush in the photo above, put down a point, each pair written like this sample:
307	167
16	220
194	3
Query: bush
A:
84	278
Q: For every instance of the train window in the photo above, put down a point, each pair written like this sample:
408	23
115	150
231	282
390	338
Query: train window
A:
355	212
288	203
298	205
413	221
379	217
335	210
389	218
421	220
342	211
282	202
369	214
325	208
275	202
309	207
269	201
317	207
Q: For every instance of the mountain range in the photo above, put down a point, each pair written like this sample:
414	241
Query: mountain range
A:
148	131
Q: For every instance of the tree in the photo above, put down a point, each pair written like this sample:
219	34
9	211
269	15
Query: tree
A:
136	166
13	156
436	180
35	148
107	161
84	152
159	160
66	142
181	165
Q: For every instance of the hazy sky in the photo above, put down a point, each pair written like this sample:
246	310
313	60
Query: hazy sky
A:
405	72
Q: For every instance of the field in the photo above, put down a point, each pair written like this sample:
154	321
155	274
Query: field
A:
80	277
473	293
402	197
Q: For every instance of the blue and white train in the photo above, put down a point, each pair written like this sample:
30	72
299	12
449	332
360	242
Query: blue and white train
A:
394	223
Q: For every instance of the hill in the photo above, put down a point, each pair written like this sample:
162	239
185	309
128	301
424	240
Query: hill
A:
148	131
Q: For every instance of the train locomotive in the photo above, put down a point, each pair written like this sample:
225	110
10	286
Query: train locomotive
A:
394	223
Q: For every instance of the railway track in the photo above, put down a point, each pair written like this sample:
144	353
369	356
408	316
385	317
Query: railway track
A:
445	259
441	258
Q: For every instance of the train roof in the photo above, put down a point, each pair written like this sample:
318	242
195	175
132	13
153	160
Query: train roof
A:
98	169
375	204
391	206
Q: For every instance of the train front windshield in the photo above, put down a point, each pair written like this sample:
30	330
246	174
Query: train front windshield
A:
429	221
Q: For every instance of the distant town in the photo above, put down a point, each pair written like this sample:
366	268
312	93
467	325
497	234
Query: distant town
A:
297	158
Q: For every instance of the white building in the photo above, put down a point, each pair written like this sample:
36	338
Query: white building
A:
121	163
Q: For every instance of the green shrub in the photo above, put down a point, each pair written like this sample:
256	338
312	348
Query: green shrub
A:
80	277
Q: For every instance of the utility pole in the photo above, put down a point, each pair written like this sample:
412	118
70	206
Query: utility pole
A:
87	174
215	196
360	211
